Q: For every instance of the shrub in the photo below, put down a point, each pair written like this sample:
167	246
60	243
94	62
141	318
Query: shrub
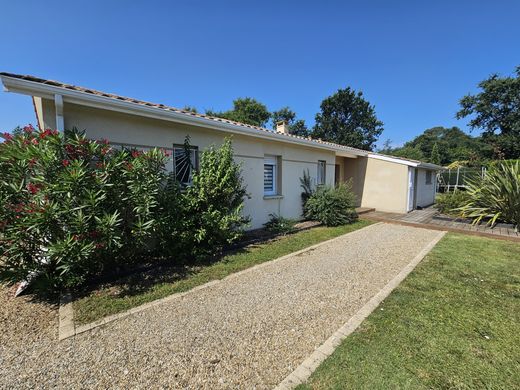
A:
496	196
71	206
332	206
208	214
449	202
307	187
280	225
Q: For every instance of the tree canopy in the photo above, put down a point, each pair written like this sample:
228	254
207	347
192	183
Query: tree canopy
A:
441	145
348	119
496	110
246	110
296	126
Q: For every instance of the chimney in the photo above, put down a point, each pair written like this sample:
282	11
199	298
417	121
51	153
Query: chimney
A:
282	127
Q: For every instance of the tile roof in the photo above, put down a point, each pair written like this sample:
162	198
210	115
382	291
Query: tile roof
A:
168	108
192	114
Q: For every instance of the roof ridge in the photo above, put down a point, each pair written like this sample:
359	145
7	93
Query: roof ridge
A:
110	95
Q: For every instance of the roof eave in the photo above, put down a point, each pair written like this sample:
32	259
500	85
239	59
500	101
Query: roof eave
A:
46	91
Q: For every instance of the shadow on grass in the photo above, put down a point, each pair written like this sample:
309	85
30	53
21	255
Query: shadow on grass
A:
146	276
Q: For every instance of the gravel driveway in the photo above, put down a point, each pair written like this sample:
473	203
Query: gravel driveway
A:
249	331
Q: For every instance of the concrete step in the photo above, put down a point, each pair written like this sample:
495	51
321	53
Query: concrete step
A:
364	210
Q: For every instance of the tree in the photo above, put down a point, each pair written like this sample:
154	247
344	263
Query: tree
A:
348	119
496	110
435	156
190	109
452	145
245	110
296	126
410	152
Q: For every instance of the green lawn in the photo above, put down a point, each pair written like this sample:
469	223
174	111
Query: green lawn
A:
145	287
453	323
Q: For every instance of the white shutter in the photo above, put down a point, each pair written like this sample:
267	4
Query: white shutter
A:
270	174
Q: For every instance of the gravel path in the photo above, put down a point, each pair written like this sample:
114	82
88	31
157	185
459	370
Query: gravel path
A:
249	331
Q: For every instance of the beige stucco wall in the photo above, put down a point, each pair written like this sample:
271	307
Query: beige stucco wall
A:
46	113
378	184
249	151
425	193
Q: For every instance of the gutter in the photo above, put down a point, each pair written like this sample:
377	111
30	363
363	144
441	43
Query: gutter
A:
50	92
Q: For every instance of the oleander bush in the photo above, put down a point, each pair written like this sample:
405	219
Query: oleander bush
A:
496	197
332	206
72	208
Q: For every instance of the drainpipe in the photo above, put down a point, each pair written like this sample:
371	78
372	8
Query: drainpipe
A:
60	122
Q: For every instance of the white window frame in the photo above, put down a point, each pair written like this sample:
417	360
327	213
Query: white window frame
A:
273	161
321	179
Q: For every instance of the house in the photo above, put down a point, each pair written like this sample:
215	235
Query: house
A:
272	161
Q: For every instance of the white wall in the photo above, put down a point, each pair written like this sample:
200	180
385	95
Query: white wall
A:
425	192
137	130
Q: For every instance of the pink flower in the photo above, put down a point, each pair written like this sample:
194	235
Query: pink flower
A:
28	129
65	163
33	188
7	136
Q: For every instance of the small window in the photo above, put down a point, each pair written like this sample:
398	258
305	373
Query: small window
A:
270	176
428	177
322	170
184	164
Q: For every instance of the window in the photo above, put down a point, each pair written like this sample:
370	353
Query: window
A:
428	177
184	163
270	175
322	170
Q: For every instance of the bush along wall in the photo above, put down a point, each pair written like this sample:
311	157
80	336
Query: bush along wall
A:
332	206
72	208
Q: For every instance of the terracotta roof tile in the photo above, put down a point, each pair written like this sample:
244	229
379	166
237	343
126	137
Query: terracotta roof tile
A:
173	109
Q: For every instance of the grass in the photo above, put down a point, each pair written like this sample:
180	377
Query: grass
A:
453	323
141	288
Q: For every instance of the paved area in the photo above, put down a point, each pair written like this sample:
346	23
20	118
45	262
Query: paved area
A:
249	331
425	217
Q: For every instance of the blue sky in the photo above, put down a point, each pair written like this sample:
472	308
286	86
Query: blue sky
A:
412	59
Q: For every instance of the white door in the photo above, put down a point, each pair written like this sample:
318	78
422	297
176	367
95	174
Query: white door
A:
411	187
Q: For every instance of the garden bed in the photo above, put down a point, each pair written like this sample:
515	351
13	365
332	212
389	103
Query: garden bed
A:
451	218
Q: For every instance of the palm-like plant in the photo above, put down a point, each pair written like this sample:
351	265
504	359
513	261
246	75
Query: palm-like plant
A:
495	197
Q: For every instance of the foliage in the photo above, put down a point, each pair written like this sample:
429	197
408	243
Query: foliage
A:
296	126
191	109
448	202
280	225
348	119
307	187
410	152
435	157
332	206
496	110
71	208
451	144
496	197
213	205
245	110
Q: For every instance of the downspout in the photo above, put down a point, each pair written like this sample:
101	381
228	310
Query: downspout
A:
60	121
